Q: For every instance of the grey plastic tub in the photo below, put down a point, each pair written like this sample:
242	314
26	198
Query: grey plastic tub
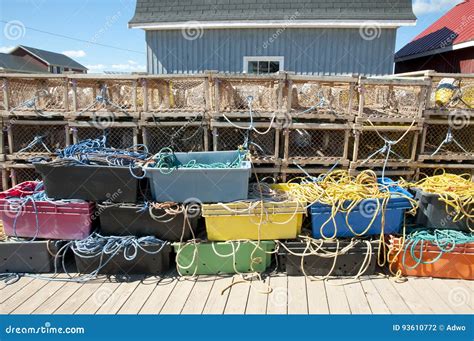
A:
432	213
207	185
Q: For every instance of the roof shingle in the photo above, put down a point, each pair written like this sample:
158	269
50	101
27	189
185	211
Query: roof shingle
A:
166	11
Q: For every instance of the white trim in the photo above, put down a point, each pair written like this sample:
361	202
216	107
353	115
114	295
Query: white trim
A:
273	24
248	59
437	51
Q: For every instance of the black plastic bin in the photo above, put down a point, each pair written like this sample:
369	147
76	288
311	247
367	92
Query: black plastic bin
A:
143	264
67	179
432	213
131	219
347	264
28	256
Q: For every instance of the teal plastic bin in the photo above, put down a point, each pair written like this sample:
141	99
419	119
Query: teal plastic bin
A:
203	185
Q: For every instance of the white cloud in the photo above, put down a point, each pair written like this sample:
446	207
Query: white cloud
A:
132	62
74	53
421	7
129	66
6	49
96	67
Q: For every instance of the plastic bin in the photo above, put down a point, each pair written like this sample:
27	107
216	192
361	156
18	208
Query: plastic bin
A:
458	264
43	219
361	216
432	213
143	264
281	220
130	219
204	184
66	179
348	264
28	257
215	258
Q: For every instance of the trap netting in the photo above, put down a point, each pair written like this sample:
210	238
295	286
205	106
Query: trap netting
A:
22	174
261	146
317	97
316	145
372	146
114	95
180	137
239	94
447	140
393	100
164	94
116	137
36	137
423	172
36	95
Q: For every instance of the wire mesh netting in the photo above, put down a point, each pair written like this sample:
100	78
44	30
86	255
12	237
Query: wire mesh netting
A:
262	147
19	175
317	97
316	144
462	97
429	171
271	178
36	94
37	139
106	95
443	140
370	143
392	100
234	95
180	138
176	94
117	137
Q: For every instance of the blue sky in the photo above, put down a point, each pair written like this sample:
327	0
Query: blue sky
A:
105	22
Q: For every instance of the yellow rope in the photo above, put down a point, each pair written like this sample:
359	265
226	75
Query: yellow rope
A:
3	236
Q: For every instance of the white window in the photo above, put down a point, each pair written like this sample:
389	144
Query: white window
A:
263	64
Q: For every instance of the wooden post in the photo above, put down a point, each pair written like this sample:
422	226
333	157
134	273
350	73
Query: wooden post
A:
214	139
134	96
144	83
5	94
66	95
5	183
207	100
216	96
135	137
281	85
10	137
74	95
423	138
289	94
355	152
346	144
286	146
206	138
351	99
415	146
361	97
277	143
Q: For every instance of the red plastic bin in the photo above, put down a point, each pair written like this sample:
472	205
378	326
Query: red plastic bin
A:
43	219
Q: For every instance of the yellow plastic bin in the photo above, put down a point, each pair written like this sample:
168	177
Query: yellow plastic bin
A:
244	220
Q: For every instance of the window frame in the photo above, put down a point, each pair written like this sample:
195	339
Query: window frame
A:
279	59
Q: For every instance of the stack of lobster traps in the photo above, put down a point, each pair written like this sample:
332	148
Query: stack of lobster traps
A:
245	114
34	123
175	113
447	138
316	121
388	125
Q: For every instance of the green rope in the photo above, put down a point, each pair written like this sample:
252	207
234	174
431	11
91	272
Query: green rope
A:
445	240
166	161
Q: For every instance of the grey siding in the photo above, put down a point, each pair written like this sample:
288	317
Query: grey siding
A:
306	51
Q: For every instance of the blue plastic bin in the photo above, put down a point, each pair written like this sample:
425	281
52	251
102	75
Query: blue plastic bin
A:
205	185
361	216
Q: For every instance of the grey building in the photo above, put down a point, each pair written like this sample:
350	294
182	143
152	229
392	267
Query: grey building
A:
303	36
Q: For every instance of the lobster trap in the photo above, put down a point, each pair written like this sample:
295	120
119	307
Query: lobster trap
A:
458	95
238	95
447	140
321	97
175	93
16	173
29	139
179	136
41	96
393	172
388	145
400	99
316	143
429	169
296	173
261	138
115	97
120	135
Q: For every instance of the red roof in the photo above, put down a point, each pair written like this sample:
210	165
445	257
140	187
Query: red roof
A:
455	27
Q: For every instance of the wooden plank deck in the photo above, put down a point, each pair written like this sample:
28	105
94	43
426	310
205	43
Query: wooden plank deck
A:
227	295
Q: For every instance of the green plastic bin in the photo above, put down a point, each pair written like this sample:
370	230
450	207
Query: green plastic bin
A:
213	258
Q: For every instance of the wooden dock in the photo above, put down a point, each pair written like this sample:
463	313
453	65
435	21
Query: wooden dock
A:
215	295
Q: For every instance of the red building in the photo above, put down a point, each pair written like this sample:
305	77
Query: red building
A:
446	46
